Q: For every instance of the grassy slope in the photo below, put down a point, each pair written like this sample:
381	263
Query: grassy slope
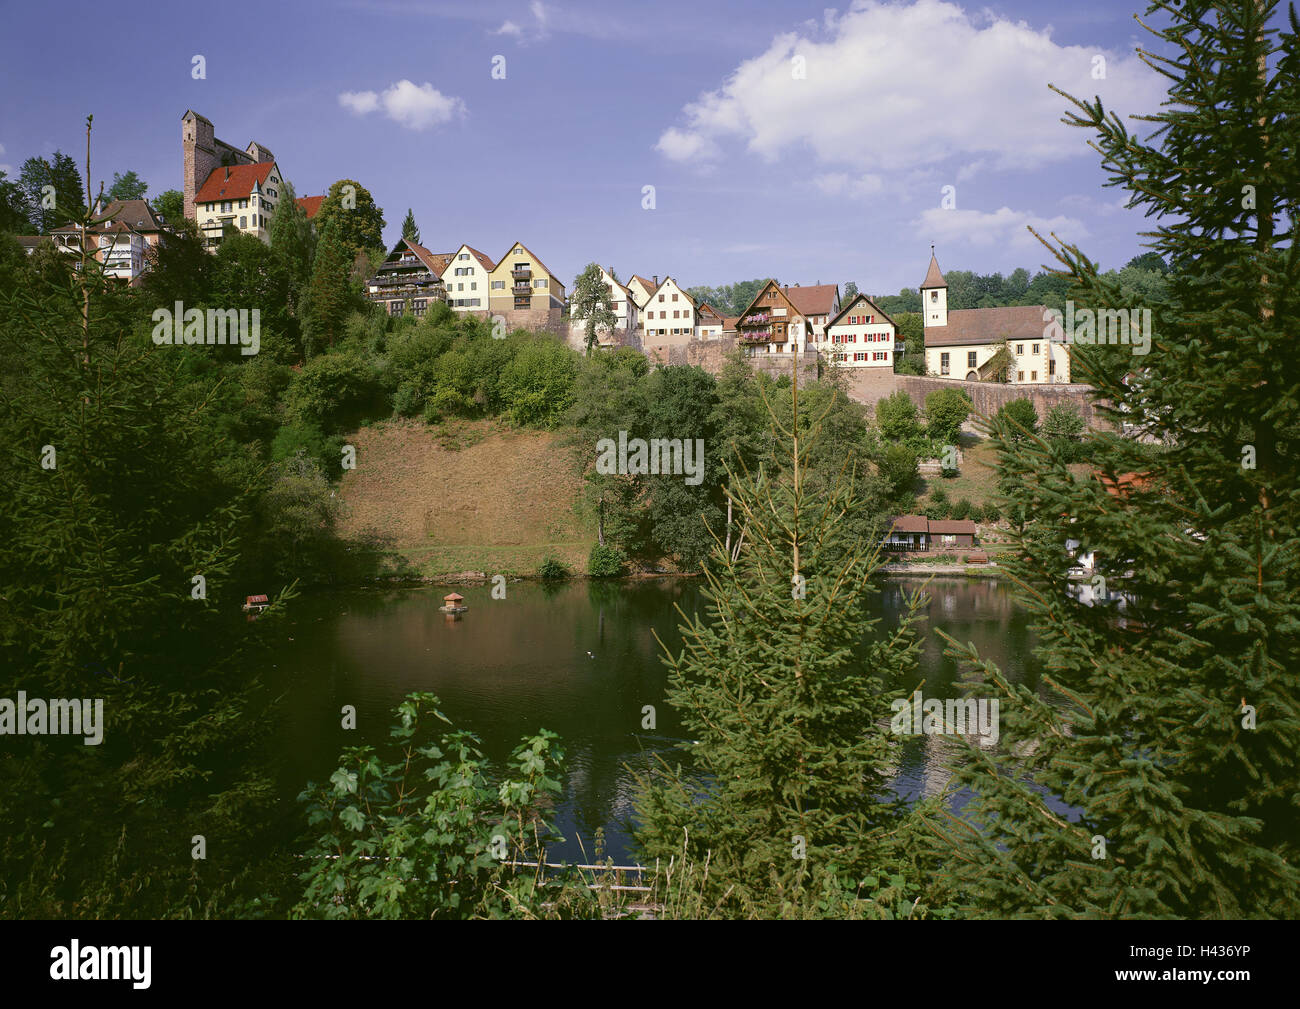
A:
477	497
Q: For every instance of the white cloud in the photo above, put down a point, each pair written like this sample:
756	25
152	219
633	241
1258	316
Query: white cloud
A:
537	31
416	107
681	145
359	102
843	184
906	87
1004	228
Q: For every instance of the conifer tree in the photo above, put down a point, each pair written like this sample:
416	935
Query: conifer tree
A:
119	490
329	295
788	712
1157	776
409	229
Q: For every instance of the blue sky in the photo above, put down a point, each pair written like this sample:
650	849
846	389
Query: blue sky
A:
835	174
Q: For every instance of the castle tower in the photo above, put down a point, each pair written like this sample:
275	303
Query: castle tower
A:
934	296
200	146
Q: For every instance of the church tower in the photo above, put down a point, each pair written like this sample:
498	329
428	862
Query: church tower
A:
934	296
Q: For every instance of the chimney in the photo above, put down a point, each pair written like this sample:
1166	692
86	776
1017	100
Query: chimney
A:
227	173
656	280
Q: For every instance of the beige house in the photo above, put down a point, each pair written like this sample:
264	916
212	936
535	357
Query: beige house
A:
521	283
965	344
641	289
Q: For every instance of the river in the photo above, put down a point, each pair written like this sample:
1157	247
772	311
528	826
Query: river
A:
578	658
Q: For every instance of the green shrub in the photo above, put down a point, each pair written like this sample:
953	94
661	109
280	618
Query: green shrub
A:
991	513
301	437
939	495
605	562
961	509
976	513
333	391
552	569
937	510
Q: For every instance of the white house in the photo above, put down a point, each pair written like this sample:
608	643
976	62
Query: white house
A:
861	335
669	316
466	280
642	289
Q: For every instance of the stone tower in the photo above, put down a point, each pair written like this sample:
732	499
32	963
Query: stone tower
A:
204	153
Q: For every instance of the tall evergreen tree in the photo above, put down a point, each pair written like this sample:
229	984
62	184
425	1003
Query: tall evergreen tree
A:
126	187
293	244
119	491
1158	777
789	717
329	295
409	229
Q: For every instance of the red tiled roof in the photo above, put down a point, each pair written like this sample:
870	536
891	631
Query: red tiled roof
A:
237	187
706	309
989	325
951	526
819	299
311	204
911	524
729	321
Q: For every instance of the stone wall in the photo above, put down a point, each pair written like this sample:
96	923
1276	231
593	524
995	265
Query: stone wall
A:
871	385
535	319
711	355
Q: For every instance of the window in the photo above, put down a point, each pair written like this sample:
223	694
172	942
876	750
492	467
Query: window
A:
859	357
943	364
674	297
934	296
1035	348
676	314
661	297
519	250
243	221
394	308
1051	366
460	287
473	285
1033	376
417	307
970	359
498	285
880	355
1020	376
243	204
463	255
255	224
226	206
1020	348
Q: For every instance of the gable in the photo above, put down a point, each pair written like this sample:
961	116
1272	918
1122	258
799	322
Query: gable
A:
856	303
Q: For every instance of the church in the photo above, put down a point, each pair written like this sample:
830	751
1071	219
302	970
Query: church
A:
1017	344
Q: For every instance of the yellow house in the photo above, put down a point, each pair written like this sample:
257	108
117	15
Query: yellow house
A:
241	196
520	282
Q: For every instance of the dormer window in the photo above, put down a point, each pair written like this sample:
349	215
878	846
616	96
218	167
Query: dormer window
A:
934	295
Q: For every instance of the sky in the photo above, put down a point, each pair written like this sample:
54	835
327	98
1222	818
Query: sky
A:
781	139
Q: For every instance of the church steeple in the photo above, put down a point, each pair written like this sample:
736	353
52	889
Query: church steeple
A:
934	296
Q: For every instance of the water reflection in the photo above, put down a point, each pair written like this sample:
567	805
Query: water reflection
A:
577	658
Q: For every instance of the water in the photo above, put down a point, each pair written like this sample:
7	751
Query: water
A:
510	667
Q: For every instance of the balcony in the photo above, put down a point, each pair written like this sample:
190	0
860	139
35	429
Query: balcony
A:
521	273
522	290
753	320
404	279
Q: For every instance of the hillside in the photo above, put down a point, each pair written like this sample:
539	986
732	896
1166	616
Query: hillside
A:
481	497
